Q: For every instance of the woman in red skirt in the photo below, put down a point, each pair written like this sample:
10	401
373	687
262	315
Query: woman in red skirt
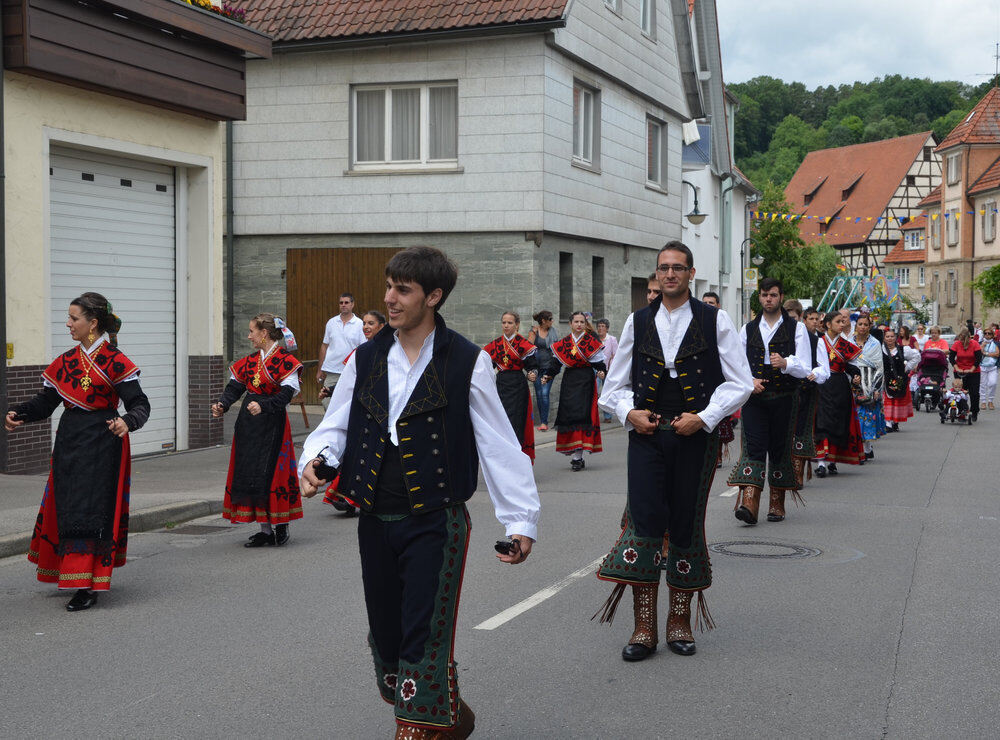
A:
577	422
838	432
514	360
897	398
263	485
81	533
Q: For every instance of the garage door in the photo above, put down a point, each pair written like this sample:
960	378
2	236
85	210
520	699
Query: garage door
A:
112	231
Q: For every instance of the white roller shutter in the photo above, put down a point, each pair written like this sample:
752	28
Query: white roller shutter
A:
112	231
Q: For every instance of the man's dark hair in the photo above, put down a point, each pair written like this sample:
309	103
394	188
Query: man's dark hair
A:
769	282
348	295
428	267
651	278
604	322
809	312
712	294
677	246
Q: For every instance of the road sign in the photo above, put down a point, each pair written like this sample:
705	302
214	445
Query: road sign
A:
750	278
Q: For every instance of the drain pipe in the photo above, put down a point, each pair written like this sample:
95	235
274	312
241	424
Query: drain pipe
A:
230	270
3	265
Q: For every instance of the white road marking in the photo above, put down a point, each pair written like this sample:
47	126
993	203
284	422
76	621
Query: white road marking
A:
537	598
731	492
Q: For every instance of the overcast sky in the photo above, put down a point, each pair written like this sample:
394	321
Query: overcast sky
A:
820	43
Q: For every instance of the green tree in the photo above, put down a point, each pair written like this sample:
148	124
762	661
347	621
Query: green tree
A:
987	284
942	126
805	271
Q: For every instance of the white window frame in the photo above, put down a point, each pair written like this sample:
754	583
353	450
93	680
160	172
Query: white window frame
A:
953	226
659	182
903	273
586	156
615	6
989	221
647	18
921	276
424	162
954	169
935	229
912	239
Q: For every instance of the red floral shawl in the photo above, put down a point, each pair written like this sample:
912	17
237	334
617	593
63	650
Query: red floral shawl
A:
509	355
576	354
109	367
279	365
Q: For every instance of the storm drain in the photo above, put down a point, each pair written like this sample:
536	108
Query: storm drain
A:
767	550
198	529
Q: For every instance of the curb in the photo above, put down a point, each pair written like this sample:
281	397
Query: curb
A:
142	520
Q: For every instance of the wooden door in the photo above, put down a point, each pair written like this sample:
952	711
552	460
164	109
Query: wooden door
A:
314	280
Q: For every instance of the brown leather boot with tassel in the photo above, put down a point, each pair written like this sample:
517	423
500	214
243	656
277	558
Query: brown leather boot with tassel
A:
642	644
679	636
799	467
466	724
748	504
776	511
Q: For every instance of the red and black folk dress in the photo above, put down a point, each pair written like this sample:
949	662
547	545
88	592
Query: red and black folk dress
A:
578	422
512	358
81	533
263	483
838	431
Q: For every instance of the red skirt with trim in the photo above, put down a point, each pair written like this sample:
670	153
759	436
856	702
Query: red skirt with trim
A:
898	409
284	502
81	570
851	454
528	447
586	438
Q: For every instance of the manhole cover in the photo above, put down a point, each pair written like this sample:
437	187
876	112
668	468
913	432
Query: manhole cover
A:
769	550
197	529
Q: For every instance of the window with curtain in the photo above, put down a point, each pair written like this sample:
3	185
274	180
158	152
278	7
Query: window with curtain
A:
585	112
647	11
990	221
656	153
405	126
952	227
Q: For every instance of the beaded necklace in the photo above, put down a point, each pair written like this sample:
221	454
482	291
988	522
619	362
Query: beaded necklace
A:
260	365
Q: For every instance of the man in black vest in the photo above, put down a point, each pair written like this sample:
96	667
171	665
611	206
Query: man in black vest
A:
778	350
678	372
804	444
415	412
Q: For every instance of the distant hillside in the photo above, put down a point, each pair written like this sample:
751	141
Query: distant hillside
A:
778	122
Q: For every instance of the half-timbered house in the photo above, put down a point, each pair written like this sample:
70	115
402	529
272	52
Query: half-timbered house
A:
855	198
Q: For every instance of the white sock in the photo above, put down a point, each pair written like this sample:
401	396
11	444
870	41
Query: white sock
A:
868	446
265	527
577	455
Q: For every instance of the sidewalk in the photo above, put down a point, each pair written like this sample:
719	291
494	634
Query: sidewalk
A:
169	488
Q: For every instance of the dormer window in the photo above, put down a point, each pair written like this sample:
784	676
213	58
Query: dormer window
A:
851	184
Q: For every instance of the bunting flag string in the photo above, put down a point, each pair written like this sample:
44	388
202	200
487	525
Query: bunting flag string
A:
901	220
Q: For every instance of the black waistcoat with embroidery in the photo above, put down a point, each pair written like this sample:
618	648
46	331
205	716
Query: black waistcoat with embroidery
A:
437	446
782	342
699	370
813	344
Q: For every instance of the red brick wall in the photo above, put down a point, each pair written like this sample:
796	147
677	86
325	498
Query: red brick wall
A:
207	376
28	449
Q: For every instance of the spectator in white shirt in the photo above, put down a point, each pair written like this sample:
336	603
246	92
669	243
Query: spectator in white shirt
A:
342	334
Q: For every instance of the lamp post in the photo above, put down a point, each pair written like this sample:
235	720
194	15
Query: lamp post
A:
757	260
695	217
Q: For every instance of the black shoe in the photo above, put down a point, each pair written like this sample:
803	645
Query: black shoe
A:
261	539
821	471
351	511
681	647
280	535
576	465
870	455
82	599
832	468
895	426
634	652
341	505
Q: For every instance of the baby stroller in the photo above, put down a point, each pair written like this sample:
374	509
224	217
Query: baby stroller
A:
931	373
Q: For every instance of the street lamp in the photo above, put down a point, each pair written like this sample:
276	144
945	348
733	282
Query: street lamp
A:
757	259
696	217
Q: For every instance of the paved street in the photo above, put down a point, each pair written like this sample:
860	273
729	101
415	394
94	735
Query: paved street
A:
890	630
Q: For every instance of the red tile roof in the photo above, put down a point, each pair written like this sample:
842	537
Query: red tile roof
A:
871	172
301	20
989	180
899	255
981	126
931	199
